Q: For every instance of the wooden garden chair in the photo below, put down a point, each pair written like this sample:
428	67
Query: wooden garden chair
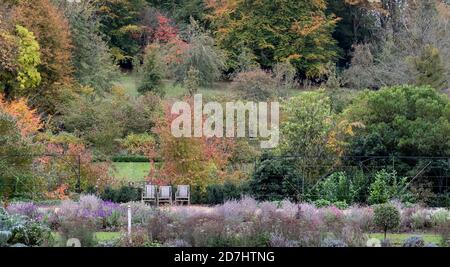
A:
183	194
150	194
165	195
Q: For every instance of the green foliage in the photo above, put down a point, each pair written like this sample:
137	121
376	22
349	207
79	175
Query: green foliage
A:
79	228
138	144
275	179
202	55
408	50
182	11
16	229
105	121
219	193
120	21
52	33
387	217
31	234
152	71
16	158
92	58
306	130
255	85
402	120
430	68
357	24
192	81
308	117
29	58
387	186
322	203
123	194
337	187
20	60
275	31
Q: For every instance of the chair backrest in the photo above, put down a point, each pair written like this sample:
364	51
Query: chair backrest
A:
150	190
165	192
183	191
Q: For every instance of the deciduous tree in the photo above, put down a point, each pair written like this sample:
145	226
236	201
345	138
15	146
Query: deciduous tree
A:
53	35
275	31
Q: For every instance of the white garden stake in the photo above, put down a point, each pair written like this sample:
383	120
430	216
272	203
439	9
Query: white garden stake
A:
129	224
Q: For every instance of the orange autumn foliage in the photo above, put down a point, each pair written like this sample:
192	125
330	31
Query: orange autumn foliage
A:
198	162
28	120
59	194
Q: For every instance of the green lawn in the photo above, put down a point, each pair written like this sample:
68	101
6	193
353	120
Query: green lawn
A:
100	236
107	236
398	239
130	171
130	82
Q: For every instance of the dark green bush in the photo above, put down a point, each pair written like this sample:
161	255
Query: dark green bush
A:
276	179
32	234
219	193
16	229
122	195
129	158
321	203
387	217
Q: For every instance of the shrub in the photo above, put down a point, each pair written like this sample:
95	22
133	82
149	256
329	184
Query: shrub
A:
362	217
421	219
104	215
177	243
4	237
24	208
138	144
386	187
141	213
387	217
440	217
255	85
20	229
123	194
130	158
153	71
275	179
333	243
321	203
31	234
139	238
80	228
192	81
444	231
414	242
202	55
278	241
337	187
219	193
340	205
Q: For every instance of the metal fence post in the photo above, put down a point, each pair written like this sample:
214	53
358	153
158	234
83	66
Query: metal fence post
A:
129	225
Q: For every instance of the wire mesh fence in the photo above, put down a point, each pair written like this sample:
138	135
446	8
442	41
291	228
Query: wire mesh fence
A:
431	173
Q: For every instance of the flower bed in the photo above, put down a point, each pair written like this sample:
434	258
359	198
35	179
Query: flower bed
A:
235	223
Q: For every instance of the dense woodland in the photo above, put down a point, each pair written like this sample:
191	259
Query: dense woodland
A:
355	79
